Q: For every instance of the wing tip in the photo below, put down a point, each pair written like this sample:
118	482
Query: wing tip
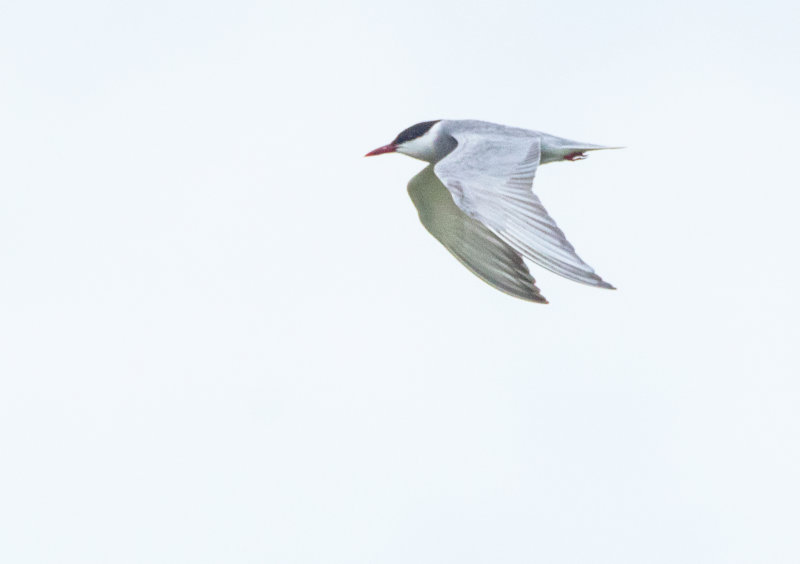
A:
534	296
530	294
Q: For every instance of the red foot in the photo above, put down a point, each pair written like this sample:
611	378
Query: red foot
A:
576	156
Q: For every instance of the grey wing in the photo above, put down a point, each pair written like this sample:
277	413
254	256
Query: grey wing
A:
490	177
475	246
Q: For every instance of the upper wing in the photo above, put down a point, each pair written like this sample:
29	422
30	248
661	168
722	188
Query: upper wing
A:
471	242
490	176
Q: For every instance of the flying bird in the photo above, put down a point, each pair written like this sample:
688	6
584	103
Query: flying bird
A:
476	198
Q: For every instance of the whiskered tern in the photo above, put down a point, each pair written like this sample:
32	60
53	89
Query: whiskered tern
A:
476	198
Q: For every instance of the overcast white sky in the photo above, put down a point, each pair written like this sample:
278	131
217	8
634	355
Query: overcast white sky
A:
225	336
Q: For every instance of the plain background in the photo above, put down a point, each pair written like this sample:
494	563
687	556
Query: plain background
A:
225	337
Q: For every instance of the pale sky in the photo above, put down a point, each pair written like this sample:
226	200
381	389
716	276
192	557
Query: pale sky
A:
227	338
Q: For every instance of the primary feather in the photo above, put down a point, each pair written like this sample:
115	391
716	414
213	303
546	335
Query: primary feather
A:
472	243
490	176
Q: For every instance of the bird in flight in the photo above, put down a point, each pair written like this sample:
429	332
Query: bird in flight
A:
476	198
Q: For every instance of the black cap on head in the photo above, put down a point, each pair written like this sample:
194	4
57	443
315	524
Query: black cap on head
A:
417	130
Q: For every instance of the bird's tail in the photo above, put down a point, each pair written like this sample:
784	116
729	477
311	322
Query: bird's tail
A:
565	150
